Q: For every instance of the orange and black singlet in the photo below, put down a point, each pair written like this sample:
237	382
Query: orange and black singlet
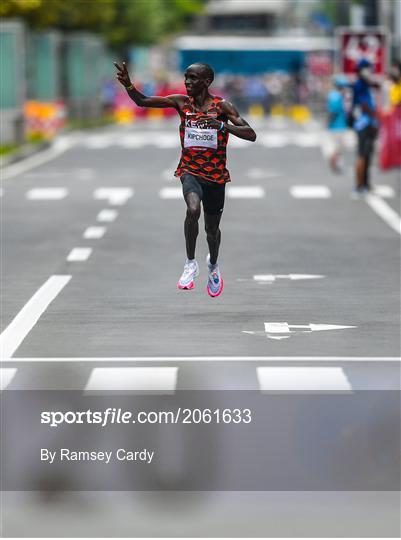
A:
203	150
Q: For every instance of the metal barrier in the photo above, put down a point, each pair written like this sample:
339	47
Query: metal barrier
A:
13	80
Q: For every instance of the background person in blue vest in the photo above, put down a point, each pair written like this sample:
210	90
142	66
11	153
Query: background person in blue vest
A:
365	123
337	123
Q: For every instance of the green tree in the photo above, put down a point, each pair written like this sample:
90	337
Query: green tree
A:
121	22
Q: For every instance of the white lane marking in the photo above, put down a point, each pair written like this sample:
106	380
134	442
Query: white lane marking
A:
273	140
384	211
94	233
1	192
310	192
284	330
97	142
165	140
79	254
161	139
150	379
6	376
387	192
115	195
189	359
107	215
235	142
168	174
245	192
45	194
171	193
257	173
60	146
279	122
306	140
292	277
312	125
236	192
132	140
302	379
12	337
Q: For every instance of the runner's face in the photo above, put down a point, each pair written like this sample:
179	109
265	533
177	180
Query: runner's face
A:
194	81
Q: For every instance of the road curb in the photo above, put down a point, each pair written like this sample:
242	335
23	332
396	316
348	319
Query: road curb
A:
26	151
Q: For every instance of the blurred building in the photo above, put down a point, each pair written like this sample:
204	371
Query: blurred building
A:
232	16
249	55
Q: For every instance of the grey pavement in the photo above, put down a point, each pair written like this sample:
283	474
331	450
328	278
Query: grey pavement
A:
327	296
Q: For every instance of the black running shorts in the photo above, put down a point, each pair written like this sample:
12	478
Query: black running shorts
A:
212	195
366	141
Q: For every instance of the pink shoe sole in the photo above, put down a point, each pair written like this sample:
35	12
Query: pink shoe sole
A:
187	287
213	295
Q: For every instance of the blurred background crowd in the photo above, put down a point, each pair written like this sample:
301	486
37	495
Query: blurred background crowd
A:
271	57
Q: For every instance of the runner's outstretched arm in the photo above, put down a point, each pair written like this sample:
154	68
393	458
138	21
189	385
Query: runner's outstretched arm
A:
140	99
239	127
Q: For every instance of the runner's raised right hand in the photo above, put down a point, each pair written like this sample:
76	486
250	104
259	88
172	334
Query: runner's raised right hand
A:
123	75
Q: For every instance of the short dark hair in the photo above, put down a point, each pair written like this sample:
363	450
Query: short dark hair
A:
207	70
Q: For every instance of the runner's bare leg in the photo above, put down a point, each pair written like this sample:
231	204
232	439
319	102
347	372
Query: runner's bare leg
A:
191	224
213	234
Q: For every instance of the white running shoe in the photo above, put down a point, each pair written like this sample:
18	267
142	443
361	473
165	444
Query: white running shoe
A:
215	282
191	271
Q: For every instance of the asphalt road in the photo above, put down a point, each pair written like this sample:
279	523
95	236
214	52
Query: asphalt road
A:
311	283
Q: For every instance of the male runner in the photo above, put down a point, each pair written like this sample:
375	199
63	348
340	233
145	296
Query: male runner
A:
202	169
365	123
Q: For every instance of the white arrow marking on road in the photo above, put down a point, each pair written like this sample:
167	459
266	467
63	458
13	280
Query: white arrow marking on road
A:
283	330
107	215
320	327
310	192
292	277
312	379
150	379
277	328
117	195
43	194
94	233
79	254
6	376
26	319
245	192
